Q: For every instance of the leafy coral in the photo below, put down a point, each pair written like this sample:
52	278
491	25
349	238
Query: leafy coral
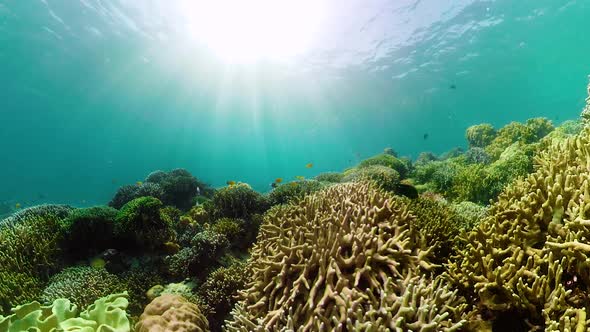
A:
105	314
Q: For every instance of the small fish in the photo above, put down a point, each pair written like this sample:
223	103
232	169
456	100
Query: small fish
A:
231	183
98	263
274	185
425	136
138	183
17	206
300	178
452	87
310	165
278	180
198	191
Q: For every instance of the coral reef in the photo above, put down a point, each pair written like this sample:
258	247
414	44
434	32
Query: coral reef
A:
367	238
128	193
330	177
172	313
477	156
205	248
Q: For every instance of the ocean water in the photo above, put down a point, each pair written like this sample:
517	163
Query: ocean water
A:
96	94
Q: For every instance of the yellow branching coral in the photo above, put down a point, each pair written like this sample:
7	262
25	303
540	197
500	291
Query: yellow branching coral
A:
326	263
532	254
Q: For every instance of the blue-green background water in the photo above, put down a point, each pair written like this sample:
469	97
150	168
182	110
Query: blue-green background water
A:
95	94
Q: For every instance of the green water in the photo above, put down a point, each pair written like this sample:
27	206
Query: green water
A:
96	94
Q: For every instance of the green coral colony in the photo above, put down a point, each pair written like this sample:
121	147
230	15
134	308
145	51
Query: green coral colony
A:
494	238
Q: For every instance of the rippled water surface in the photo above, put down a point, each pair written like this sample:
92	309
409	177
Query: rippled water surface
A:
96	93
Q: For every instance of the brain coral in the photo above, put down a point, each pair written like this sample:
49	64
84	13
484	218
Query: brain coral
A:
333	260
530	258
170	312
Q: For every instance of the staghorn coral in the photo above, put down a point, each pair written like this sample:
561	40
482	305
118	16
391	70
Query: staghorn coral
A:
219	292
287	192
237	201
367	237
439	225
480	136
170	312
469	214
82	285
531	255
231	229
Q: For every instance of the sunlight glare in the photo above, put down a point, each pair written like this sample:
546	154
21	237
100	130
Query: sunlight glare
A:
247	31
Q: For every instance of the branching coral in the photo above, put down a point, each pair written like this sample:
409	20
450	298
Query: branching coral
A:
179	187
82	285
480	136
220	292
127	193
205	249
326	261
29	251
530	255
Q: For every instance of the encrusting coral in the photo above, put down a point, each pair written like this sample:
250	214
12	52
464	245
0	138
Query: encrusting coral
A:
334	260
530	257
170	312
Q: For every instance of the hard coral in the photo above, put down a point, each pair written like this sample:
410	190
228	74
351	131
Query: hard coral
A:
82	285
325	262
179	187
237	201
387	161
530	256
287	192
106	314
168	313
480	136
88	230
139	224
127	193
384	177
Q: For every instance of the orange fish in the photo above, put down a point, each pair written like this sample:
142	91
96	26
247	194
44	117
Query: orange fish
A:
310	165
231	183
278	180
138	183
17	206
